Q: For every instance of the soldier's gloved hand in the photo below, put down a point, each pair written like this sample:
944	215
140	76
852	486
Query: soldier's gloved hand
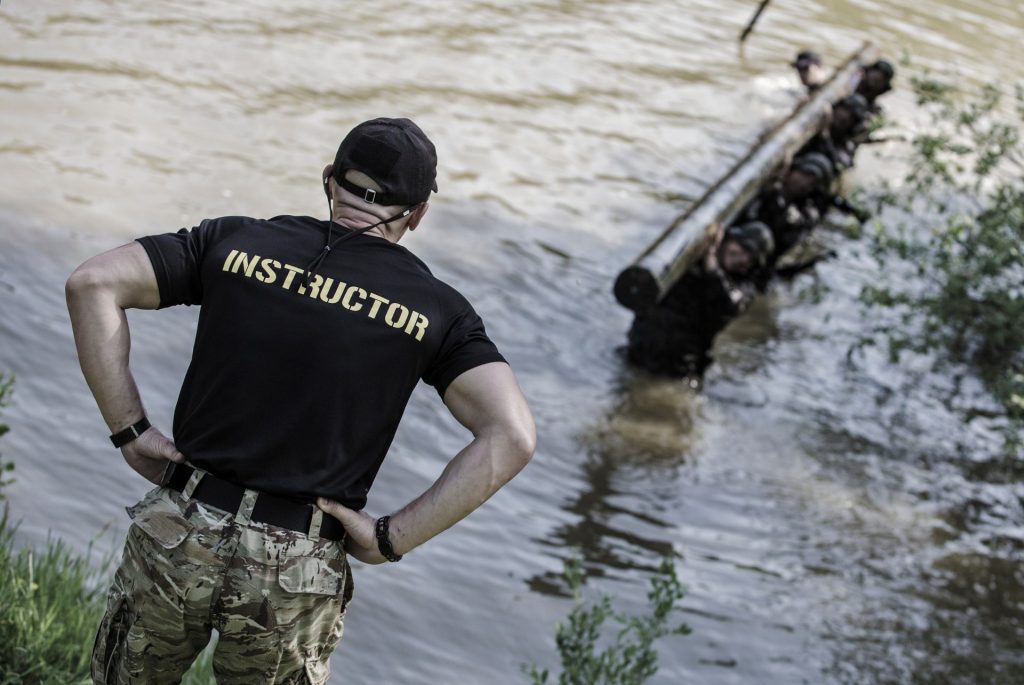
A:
362	540
150	454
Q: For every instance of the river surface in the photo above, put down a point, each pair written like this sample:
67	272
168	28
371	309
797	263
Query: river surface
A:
838	524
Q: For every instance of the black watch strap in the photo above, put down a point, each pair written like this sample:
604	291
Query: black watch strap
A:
133	431
384	541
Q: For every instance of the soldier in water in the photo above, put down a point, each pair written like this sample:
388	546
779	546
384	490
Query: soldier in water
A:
674	337
875	82
791	205
810	69
846	130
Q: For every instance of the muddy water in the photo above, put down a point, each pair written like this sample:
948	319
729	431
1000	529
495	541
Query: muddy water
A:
837	523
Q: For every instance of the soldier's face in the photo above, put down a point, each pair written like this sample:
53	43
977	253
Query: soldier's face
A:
734	258
798	184
842	119
877	83
811	74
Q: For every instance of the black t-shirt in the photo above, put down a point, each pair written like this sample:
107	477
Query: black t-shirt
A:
674	337
299	390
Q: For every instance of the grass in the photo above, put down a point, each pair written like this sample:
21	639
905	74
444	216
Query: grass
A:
51	604
48	613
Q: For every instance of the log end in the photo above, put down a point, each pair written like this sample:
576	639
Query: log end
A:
636	288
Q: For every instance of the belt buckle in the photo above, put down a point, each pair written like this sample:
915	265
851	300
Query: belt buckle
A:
165	478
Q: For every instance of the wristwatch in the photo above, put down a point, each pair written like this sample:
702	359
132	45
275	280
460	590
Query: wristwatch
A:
133	431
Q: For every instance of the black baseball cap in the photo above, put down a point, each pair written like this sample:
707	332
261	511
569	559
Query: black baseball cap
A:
806	59
395	153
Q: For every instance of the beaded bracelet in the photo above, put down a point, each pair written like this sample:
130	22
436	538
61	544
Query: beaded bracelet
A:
383	541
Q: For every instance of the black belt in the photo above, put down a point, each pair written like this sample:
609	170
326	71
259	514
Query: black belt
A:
270	509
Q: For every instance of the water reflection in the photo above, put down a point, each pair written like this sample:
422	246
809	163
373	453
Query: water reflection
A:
960	620
648	434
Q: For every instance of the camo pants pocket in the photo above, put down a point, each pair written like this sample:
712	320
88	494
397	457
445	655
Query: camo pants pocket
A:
314	589
170	566
108	646
297	585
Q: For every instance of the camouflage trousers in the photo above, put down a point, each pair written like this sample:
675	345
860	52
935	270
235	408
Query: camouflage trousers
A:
277	597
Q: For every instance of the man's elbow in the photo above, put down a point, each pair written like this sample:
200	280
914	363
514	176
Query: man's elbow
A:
83	280
521	445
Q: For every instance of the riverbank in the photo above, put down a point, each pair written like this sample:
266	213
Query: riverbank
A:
827	512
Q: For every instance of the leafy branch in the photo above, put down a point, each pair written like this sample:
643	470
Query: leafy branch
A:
630	658
962	235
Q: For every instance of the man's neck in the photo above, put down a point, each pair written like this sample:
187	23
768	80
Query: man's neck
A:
376	231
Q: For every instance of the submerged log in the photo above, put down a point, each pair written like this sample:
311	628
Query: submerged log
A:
665	260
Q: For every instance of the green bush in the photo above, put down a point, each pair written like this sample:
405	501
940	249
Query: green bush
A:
966	188
630	658
48	614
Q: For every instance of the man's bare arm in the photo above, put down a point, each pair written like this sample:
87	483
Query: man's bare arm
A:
486	400
97	293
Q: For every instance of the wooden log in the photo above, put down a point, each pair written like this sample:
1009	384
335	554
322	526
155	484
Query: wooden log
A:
663	262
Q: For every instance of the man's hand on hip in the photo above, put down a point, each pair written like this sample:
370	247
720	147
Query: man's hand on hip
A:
362	539
486	400
150	454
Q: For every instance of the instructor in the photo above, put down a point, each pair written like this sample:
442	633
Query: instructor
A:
311	337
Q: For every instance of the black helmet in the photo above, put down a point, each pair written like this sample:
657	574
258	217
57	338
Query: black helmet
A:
817	165
857	104
886	67
860	113
755	237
